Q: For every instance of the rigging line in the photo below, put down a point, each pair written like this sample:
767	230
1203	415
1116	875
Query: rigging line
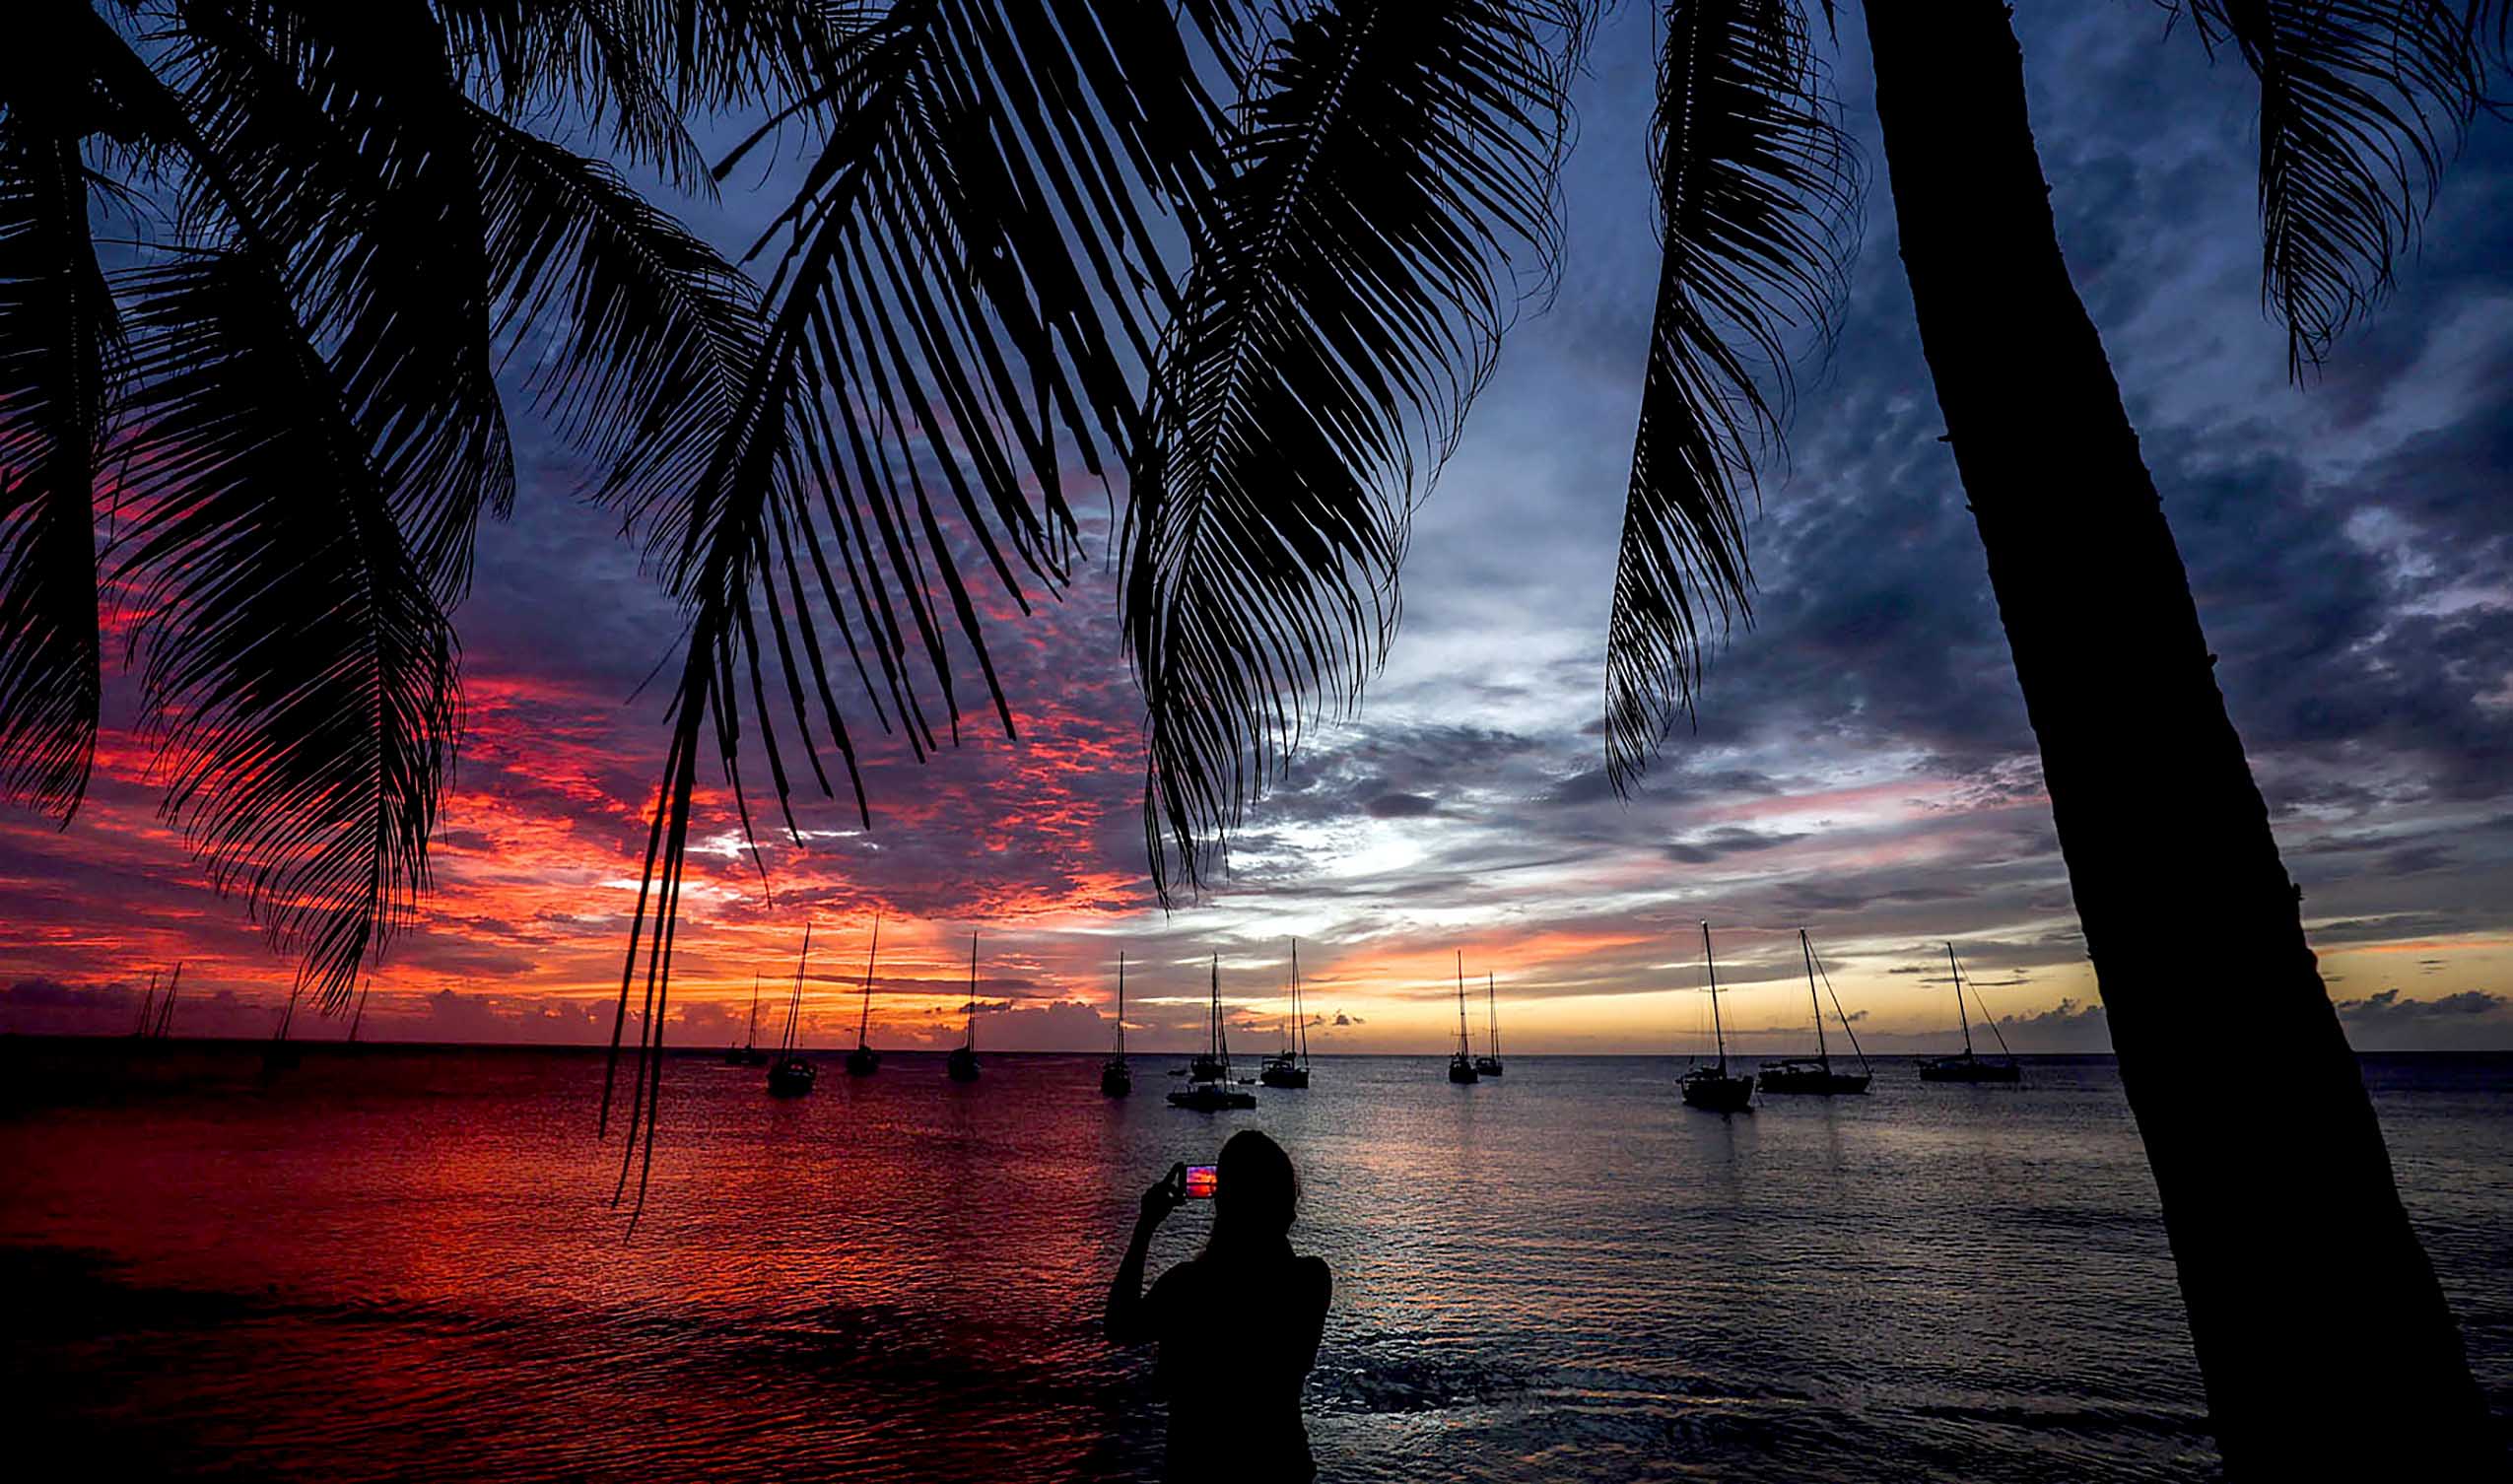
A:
1837	1010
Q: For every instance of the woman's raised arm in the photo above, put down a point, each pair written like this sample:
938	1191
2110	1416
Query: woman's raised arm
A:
1126	1322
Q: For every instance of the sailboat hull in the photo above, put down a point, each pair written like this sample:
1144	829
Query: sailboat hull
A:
1117	1079
793	1077
1969	1069
1812	1077
862	1062
1708	1089
963	1066
1462	1070
1487	1066
1283	1074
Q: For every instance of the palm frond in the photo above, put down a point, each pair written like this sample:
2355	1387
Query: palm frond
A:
635	68
351	144
299	670
59	333
965	279
638	335
2362	103
1390	164
1756	183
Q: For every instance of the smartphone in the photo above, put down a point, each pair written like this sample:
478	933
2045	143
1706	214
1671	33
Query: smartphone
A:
1202	1180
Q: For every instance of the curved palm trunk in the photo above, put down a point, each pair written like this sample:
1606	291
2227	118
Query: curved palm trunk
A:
2319	1329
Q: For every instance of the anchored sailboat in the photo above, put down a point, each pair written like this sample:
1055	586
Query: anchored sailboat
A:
1798	1074
793	1075
962	1065
1490	1066
1117	1077
1286	1069
1209	1088
156	1016
1968	1067
863	1061
748	1053
281	1055
1462	1061
1711	1087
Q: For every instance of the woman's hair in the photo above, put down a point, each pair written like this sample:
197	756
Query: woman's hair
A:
1258	1193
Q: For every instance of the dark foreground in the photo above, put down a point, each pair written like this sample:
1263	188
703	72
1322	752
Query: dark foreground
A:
402	1264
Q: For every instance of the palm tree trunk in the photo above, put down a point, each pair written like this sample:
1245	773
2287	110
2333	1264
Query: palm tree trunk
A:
2320	1331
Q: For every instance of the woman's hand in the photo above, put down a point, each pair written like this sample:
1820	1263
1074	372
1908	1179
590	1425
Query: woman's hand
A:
1163	1195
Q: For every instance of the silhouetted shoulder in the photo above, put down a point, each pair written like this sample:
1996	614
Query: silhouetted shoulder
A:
1314	1275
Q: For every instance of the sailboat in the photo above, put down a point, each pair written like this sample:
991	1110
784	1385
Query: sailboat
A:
1462	1061
1711	1087
863	1061
1209	1088
1968	1067
1490	1066
1116	1077
962	1065
1288	1069
156	1016
281	1055
748	1053
793	1073
165	1007
360	1018
148	1010
1798	1074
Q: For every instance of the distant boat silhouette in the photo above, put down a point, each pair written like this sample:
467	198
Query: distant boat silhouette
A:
1799	1075
156	1016
281	1055
1967	1067
1117	1077
1490	1066
793	1074
1286	1069
1711	1087
962	1065
1209	1086
748	1053
863	1061
1462	1061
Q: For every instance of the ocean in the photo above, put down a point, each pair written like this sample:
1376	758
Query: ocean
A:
404	1264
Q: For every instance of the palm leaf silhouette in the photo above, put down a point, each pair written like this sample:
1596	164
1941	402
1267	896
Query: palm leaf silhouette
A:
968	273
1345	302
298	666
2362	104
58	330
1755	185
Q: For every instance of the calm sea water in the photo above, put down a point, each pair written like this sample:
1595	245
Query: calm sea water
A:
404	1265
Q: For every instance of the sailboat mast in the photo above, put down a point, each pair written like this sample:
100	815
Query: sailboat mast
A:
794	1002
1492	1016
1822	1055
360	1019
1716	1030
970	1041
166	1006
1120	1002
864	1023
1218	1038
1964	1020
750	1041
1463	1048
148	1008
1298	1013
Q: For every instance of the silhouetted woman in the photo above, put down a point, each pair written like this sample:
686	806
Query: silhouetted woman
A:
1238	1323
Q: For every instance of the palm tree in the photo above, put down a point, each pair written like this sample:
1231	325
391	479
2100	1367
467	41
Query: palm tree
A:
2155	806
282	395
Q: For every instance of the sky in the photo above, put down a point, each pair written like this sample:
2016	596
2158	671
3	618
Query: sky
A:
1862	767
